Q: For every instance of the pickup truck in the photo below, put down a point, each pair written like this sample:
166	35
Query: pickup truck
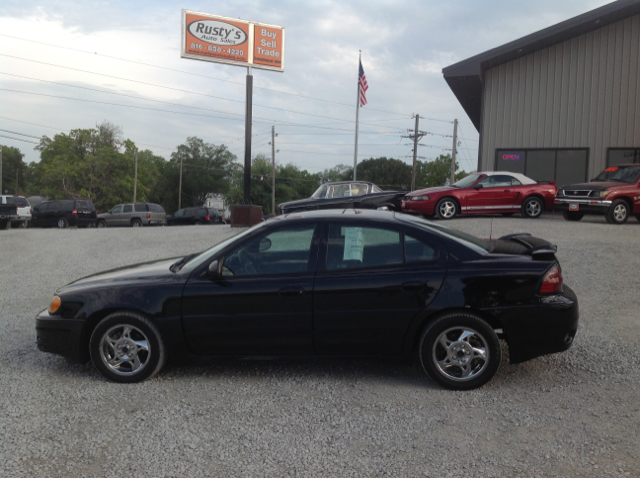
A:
614	193
8	213
24	209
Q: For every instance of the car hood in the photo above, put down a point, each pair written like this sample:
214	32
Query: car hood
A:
595	186
152	270
434	189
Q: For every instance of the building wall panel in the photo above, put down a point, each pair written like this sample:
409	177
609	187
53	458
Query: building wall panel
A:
581	93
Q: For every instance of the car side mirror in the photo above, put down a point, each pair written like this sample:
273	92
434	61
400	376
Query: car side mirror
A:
215	270
265	244
478	187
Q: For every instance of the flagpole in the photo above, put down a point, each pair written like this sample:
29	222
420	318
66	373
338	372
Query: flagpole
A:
355	154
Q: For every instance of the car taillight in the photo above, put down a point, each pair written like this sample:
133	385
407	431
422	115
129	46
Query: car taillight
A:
148	216
207	217
74	212
552	281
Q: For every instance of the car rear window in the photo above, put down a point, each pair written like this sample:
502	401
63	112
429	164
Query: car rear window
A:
16	200
156	208
140	207
213	212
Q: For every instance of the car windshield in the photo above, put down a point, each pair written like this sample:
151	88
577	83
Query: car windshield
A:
470	241
196	260
320	192
627	174
467	181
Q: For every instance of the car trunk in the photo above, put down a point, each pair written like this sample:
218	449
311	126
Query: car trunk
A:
523	244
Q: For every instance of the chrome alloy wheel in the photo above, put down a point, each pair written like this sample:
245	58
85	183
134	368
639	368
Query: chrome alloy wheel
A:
461	353
533	208
620	212
447	209
124	349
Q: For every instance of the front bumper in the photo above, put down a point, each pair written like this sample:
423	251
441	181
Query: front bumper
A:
62	336
543	328
427	207
593	207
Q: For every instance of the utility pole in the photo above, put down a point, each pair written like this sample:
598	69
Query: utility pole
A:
416	137
273	170
248	115
453	151
0	169
135	180
17	172
180	186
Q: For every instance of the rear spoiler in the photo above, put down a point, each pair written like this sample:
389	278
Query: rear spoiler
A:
538	248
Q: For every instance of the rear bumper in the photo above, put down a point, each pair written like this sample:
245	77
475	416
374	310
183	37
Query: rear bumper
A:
61	336
591	207
546	327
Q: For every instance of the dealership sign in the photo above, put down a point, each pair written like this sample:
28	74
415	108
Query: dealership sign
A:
236	42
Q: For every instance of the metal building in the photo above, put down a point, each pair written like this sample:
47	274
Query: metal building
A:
562	103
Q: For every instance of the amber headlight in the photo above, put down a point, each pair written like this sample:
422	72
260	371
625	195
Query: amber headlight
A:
55	304
602	193
419	198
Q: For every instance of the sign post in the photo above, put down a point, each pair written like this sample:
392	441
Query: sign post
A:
219	39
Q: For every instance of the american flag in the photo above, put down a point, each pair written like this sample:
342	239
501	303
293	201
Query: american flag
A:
362	83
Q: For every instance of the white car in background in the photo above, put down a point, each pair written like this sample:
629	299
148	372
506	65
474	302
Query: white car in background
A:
24	209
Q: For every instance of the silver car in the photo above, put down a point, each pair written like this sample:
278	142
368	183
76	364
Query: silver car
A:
133	214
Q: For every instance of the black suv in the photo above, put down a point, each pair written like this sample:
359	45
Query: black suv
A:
198	215
63	213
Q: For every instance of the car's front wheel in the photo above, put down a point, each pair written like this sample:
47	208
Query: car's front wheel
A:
459	351
618	212
446	209
127	348
101	224
532	207
572	215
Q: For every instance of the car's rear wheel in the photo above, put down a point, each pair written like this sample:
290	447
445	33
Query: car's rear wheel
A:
618	212
101	224
24	224
136	223
572	215
532	207
197	222
127	348
459	351
62	223
446	209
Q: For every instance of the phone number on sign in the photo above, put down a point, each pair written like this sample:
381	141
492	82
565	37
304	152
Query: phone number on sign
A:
230	51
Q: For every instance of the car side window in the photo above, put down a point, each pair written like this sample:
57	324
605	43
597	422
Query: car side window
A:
283	251
140	207
486	182
500	181
352	247
116	210
65	205
127	209
419	251
341	190
515	182
359	189
375	189
179	213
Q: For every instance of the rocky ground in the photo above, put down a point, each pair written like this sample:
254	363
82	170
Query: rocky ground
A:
575	413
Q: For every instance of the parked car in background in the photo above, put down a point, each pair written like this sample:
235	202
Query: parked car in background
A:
501	192
8	214
134	215
614	193
63	213
196	215
346	194
24	209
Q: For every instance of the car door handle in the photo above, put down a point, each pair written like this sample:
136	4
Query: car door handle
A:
291	290
413	286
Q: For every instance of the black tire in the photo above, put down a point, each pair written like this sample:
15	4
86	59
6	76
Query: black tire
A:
532	207
62	223
441	364
572	215
136	223
110	343
506	214
101	224
447	208
618	213
638	217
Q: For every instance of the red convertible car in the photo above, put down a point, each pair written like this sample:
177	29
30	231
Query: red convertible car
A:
501	192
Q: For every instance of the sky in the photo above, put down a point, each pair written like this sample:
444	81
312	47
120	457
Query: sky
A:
68	64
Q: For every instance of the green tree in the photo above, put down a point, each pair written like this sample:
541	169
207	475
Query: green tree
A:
387	173
337	173
206	169
436	172
12	165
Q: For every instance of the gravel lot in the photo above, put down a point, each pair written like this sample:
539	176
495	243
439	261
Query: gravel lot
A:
571	414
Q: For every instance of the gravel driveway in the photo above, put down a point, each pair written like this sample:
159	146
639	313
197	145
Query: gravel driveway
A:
575	413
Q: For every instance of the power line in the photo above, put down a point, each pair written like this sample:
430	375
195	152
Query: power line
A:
20	139
21	134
